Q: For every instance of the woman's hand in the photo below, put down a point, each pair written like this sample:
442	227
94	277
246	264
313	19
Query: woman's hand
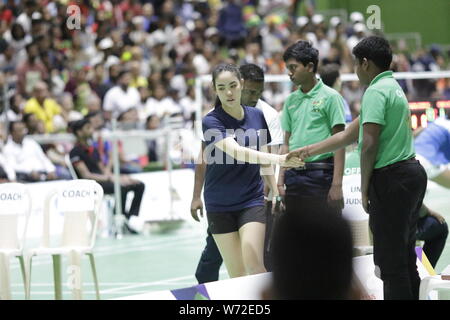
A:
293	162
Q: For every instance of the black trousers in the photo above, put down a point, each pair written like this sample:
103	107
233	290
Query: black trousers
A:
306	189
210	262
395	196
137	189
430	230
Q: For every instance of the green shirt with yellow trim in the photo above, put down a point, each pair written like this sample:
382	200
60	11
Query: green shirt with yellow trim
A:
384	103
310	117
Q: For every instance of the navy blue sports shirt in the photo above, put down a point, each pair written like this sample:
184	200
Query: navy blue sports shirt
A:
231	185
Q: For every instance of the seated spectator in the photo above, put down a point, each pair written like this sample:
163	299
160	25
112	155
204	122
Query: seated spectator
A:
43	106
153	123
231	24
188	105
26	156
88	165
98	82
129	119
433	230
312	257
121	97
8	58
160	103
94	104
80	89
14	113
7	173
66	102
254	55
17	39
160	59
33	124
104	147
30	71
137	79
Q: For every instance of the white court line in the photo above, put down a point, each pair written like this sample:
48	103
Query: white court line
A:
156	282
111	253
100	249
52	293
142	242
123	290
50	284
110	284
146	284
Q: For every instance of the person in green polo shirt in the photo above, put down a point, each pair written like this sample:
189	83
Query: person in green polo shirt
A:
311	114
393	182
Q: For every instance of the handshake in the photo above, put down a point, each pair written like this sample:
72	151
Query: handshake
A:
295	158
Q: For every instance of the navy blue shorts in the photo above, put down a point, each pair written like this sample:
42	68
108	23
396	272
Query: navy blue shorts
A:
226	222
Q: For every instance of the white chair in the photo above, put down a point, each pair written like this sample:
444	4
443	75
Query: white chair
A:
15	207
108	204
430	283
77	204
69	165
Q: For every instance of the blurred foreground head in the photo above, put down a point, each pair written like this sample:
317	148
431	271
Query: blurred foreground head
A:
312	256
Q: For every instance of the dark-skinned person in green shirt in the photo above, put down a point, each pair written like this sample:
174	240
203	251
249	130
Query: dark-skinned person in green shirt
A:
393	182
310	114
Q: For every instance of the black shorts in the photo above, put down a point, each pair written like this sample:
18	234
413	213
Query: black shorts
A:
226	222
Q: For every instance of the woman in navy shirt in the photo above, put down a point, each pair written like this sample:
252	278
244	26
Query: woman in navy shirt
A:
233	194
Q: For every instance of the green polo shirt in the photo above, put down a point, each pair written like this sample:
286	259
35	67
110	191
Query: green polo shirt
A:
310	117
384	103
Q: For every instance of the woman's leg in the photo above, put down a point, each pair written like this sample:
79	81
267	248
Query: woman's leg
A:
252	245
229	245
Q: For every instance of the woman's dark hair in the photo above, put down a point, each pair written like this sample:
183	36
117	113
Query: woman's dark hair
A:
374	48
302	51
222	68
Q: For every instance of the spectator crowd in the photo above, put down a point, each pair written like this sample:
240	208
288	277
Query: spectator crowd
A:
137	61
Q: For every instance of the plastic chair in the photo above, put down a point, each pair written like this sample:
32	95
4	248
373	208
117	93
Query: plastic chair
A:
15	201
108	205
69	165
78	204
431	283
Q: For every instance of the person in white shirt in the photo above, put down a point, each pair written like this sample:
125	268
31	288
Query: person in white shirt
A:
26	156
6	171
24	19
160	103
121	97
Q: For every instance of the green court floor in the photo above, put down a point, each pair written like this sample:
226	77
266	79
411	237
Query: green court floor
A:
159	260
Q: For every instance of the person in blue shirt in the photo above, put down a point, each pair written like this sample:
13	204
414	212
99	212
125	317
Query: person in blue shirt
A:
252	89
234	199
330	76
433	151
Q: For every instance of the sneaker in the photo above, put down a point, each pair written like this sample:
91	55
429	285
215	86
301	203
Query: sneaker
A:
136	223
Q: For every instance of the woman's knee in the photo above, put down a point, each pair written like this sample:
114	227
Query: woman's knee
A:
253	257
